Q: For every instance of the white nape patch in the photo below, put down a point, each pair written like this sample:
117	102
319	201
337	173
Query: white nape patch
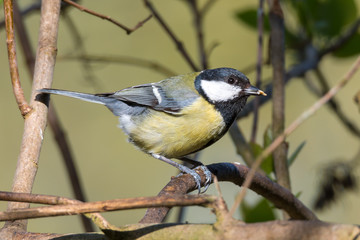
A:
218	91
126	124
156	93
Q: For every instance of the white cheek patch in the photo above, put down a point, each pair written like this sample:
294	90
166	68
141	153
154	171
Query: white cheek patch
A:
157	94
218	91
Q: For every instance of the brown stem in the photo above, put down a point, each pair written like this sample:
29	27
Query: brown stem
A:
260	22
277	47
105	206
35	123
198	21
127	29
241	145
52	118
14	71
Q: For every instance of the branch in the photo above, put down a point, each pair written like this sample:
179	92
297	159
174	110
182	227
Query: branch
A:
295	124
333	104
198	22
277	50
102	206
14	71
35	122
260	23
236	174
53	200
128	30
178	44
342	39
54	121
241	145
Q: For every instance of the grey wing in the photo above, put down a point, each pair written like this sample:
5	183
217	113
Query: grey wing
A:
153	96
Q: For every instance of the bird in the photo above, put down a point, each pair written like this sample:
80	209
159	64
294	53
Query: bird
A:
177	116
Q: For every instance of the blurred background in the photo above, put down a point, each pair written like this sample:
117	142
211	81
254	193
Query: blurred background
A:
110	167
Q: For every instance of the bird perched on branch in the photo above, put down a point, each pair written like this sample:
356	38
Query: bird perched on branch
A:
179	115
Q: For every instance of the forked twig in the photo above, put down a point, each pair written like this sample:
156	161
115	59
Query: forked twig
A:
14	71
127	29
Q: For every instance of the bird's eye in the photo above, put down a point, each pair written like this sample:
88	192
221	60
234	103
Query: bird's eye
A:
231	80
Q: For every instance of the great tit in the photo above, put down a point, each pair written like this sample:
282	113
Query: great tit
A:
179	115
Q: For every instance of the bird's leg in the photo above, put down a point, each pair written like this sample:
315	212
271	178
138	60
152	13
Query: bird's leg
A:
194	162
184	169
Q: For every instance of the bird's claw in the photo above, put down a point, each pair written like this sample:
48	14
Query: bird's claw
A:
208	176
197	177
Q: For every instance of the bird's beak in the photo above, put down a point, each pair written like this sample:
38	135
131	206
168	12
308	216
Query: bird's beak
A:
254	91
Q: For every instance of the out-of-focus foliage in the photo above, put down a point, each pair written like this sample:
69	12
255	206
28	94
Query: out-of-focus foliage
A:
262	211
317	21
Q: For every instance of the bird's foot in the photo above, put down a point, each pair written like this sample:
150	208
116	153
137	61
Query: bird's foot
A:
197	177
208	176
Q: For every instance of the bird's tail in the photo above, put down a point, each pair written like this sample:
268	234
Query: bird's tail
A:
82	96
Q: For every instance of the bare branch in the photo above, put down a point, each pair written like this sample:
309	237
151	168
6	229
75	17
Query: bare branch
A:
333	104
14	71
54	121
259	61
178	44
295	124
35	122
277	50
105	206
198	21
128	30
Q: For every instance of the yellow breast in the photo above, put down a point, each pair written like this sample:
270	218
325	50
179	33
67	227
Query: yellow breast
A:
175	136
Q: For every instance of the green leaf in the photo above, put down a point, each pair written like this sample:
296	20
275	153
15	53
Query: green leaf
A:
293	156
267	164
350	48
261	212
297	195
268	137
324	18
249	17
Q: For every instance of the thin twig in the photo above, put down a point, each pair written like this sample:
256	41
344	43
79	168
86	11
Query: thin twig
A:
100	221
167	29
207	6
353	129
14	71
241	145
127	29
79	48
295	124
344	38
259	61
198	20
106	206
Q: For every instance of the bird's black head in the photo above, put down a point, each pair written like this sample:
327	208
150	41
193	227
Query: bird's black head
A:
227	89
